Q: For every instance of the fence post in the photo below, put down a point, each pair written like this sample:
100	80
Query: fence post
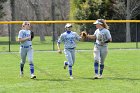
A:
136	35
53	25
9	35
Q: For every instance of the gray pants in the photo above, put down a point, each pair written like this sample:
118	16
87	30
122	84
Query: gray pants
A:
26	52
100	53
70	56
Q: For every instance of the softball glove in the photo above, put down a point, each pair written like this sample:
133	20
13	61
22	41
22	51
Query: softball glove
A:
83	35
32	35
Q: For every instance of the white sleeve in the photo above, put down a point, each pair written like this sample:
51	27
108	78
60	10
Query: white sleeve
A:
20	34
61	39
77	36
95	33
108	35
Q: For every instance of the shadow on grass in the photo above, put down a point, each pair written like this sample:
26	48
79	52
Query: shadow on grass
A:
93	78
87	78
123	78
58	80
111	78
7	43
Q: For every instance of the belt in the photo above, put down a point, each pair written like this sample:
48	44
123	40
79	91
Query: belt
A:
98	44
26	46
70	48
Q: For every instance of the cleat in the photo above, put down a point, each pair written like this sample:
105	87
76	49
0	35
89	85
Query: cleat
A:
65	65
96	76
21	74
100	77
33	76
71	77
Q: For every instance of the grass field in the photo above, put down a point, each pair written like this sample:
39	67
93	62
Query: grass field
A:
121	74
48	45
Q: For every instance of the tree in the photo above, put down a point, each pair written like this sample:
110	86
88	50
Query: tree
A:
13	15
1	8
92	10
36	7
127	9
128	17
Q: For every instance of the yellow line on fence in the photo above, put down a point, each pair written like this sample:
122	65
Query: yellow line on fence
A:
69	21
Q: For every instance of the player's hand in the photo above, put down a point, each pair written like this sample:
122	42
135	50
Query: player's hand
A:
59	51
28	38
83	34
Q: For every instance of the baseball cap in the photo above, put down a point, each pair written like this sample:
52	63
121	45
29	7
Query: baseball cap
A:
68	25
26	23
97	22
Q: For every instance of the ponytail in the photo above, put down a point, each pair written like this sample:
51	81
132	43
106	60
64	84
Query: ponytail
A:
104	23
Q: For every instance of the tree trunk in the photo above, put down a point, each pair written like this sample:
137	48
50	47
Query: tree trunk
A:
36	7
53	18
13	34
128	17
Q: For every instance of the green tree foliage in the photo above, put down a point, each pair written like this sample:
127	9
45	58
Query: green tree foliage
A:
92	10
1	8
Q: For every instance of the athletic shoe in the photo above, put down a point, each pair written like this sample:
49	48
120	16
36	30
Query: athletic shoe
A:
21	74
100	77
96	76
65	65
33	76
71	77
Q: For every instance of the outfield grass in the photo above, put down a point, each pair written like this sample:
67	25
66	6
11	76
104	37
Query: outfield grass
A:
121	74
48	45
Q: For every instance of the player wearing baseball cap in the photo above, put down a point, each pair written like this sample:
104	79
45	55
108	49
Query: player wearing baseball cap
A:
24	37
69	39
102	36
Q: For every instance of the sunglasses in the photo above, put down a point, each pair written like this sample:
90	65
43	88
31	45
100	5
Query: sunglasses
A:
27	24
69	27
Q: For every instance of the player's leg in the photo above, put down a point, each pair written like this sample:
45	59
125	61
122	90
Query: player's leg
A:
96	59
103	55
68	56
23	54
31	64
73	61
66	62
73	55
69	60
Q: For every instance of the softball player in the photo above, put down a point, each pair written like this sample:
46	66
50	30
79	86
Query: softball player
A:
102	36
69	39
24	37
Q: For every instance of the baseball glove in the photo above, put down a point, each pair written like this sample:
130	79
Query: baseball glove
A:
107	41
32	35
83	35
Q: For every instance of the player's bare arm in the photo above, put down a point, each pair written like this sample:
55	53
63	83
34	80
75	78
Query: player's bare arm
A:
58	48
91	36
84	35
24	39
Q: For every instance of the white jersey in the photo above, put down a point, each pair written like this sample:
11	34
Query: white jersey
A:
24	34
69	39
102	35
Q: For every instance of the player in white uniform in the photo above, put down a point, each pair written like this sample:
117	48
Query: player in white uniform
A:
24	37
102	36
69	39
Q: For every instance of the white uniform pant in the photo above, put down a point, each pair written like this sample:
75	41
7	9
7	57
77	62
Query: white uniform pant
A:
100	53
26	52
70	56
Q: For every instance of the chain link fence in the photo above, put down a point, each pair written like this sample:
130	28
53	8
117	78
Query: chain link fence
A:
51	30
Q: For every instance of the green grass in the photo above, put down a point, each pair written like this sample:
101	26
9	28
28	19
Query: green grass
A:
121	74
48	45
